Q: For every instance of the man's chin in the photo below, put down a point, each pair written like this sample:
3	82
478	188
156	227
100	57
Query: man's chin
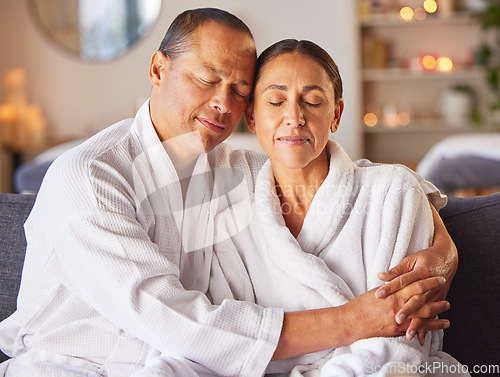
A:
210	143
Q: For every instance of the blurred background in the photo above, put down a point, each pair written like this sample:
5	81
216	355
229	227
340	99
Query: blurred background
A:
421	78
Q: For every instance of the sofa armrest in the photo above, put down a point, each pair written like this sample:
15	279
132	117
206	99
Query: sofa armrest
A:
474	225
14	210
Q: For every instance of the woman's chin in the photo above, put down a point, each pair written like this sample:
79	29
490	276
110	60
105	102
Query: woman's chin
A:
289	163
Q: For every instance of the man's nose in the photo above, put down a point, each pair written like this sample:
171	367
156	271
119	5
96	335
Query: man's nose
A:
222	100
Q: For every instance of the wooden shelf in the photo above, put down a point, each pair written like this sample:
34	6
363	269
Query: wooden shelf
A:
394	20
399	74
431	126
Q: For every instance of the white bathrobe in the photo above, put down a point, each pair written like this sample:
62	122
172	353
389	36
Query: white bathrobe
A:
363	220
118	265
119	260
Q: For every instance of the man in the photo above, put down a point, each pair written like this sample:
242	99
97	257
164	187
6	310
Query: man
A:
119	258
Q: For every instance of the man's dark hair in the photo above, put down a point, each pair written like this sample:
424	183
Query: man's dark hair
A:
176	41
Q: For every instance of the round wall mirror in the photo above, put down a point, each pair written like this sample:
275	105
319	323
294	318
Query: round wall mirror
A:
96	30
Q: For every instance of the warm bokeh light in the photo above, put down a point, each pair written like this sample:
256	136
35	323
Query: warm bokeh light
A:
420	14
430	6
406	13
370	119
444	64
403	118
429	62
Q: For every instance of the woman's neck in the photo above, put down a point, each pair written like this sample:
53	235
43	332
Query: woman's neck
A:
296	189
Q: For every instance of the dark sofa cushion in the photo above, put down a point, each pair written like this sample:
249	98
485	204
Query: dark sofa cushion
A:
14	210
474	225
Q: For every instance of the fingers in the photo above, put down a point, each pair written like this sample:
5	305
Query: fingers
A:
421	326
418	293
404	267
396	283
421	337
401	282
425	285
425	310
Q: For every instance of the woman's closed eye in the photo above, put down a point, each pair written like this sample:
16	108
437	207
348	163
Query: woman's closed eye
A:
276	103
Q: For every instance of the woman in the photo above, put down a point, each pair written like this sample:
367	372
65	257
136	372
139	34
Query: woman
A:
322	227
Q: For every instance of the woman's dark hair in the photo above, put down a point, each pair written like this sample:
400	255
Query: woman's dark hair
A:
307	48
176	41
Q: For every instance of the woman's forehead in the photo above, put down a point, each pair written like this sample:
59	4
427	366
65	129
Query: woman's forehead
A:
298	68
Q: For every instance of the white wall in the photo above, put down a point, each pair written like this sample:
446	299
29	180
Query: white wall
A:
81	98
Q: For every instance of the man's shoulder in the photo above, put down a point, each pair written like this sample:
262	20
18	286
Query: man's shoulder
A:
97	146
110	146
225	155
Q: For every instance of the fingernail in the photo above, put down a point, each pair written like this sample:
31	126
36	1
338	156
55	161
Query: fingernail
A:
380	293
400	318
410	335
446	325
441	280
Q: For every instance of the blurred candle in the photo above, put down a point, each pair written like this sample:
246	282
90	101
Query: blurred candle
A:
420	14
430	6
370	120
444	64
429	62
406	13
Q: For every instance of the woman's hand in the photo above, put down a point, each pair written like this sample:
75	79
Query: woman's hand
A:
441	259
363	317
374	317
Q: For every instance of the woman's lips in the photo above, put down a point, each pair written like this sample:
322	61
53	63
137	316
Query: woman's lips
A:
293	140
211	125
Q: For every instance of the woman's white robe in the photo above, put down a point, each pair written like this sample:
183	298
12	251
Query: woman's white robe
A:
363	220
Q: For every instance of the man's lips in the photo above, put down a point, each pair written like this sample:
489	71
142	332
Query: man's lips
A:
211	124
293	140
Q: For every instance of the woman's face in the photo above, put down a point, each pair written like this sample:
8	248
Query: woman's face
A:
294	110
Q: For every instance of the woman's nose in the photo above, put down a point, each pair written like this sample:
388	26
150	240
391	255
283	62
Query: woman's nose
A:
295	116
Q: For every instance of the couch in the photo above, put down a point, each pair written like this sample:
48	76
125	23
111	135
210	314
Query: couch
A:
474	225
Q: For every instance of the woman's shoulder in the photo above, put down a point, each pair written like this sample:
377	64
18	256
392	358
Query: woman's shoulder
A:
389	174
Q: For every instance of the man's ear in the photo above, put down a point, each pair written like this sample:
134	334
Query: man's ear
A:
339	109
250	118
157	67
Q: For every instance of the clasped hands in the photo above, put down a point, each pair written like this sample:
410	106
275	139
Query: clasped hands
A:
413	296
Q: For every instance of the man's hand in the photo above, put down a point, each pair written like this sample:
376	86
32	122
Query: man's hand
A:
441	259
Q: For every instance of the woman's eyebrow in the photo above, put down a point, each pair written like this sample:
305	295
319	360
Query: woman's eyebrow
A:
277	87
313	87
305	89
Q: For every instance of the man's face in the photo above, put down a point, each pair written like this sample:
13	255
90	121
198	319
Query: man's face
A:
205	90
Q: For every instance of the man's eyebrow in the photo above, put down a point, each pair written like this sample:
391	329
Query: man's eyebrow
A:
224	74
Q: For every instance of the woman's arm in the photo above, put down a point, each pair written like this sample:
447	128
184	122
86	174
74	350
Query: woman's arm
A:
441	259
363	317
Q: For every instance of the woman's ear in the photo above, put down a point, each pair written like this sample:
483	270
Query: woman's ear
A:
250	118
157	68
339	109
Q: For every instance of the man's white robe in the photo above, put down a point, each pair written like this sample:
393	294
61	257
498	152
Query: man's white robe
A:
118	264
